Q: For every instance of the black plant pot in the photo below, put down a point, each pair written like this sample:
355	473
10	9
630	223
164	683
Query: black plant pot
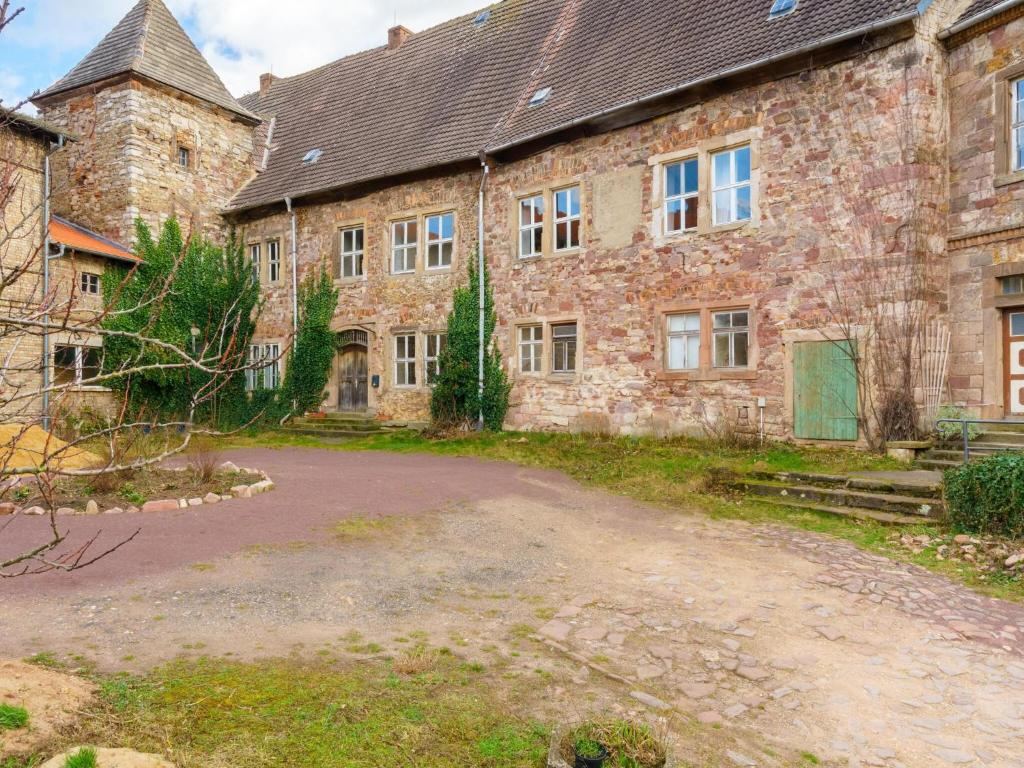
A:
592	762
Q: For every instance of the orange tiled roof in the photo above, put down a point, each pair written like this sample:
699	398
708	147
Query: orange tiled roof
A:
71	235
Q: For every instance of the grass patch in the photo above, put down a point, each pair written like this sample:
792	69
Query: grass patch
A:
288	712
629	744
361	527
672	473
12	718
83	758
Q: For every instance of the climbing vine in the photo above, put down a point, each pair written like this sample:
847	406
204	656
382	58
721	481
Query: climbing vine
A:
309	364
456	400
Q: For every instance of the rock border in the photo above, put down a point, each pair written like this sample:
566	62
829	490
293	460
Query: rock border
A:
241	491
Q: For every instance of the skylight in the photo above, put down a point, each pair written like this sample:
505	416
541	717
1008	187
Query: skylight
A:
540	97
312	156
781	8
482	18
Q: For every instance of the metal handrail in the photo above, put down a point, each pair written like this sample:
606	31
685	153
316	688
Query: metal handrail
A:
964	429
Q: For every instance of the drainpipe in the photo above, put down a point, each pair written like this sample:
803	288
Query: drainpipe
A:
295	269
46	280
480	287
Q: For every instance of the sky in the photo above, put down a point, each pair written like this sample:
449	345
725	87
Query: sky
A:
240	38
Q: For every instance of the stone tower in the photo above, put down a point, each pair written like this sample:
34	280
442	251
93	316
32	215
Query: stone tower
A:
158	133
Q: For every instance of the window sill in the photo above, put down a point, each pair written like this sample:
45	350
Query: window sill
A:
564	378
715	374
437	270
88	388
732	226
520	261
356	280
1005	179
410	273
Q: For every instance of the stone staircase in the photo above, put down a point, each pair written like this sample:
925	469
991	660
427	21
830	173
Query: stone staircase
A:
343	425
996	438
892	498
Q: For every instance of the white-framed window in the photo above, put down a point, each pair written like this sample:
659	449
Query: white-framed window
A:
75	363
405	360
184	157
351	262
730	331
567	218
90	283
436	342
440	240
273	260
264	370
256	260
404	239
531	348
531	226
1017	125
681	198
1012	285
730	186
563	348
682	351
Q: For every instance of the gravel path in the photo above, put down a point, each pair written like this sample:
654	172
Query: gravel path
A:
787	639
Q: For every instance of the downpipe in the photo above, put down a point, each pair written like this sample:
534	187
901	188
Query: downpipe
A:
46	279
481	290
295	268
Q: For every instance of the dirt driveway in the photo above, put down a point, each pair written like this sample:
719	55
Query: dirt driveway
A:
797	641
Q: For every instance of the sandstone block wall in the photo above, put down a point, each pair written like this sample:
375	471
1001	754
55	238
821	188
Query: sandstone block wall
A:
125	162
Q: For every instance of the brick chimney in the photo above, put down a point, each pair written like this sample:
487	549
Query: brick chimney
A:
397	36
266	79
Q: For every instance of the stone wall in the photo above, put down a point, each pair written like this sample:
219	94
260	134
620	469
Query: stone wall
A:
125	165
986	221
830	149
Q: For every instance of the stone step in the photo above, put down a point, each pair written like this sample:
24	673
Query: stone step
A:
347	416
885	518
1001	436
325	424
846	497
939	465
928	490
340	433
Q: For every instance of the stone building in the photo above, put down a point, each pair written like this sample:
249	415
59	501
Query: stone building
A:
683	218
66	284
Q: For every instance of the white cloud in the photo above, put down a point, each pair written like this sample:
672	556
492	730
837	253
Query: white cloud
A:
243	38
12	91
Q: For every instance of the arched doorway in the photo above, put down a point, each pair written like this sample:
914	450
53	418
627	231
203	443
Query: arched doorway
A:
352	370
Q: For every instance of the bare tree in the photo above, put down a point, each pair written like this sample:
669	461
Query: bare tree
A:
39	304
877	211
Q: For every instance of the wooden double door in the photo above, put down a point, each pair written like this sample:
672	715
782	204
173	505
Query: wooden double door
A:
352	379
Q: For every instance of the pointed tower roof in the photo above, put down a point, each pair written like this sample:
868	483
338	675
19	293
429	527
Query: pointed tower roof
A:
150	42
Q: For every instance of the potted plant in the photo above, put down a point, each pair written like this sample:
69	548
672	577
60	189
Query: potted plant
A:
589	753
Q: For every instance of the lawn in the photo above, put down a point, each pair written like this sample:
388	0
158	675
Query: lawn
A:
673	473
285	712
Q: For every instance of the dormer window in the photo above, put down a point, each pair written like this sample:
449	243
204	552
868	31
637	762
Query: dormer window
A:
312	156
540	97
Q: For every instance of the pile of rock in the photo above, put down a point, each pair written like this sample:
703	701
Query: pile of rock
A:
986	553
263	485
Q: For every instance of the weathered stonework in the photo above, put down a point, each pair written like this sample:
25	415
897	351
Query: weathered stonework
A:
986	213
125	163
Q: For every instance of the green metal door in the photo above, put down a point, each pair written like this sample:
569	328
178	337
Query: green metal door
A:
824	391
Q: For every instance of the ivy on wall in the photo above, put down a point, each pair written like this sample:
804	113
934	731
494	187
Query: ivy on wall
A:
309	364
455	401
196	296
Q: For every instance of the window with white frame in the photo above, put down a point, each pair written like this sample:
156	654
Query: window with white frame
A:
440	240
405	360
531	348
731	338
1017	125
681	198
90	283
184	157
264	369
567	218
404	238
730	186
273	261
563	348
531	226
683	341
75	363
256	260
351	262
436	342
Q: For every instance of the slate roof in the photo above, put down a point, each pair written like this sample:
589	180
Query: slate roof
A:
150	42
977	11
458	89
